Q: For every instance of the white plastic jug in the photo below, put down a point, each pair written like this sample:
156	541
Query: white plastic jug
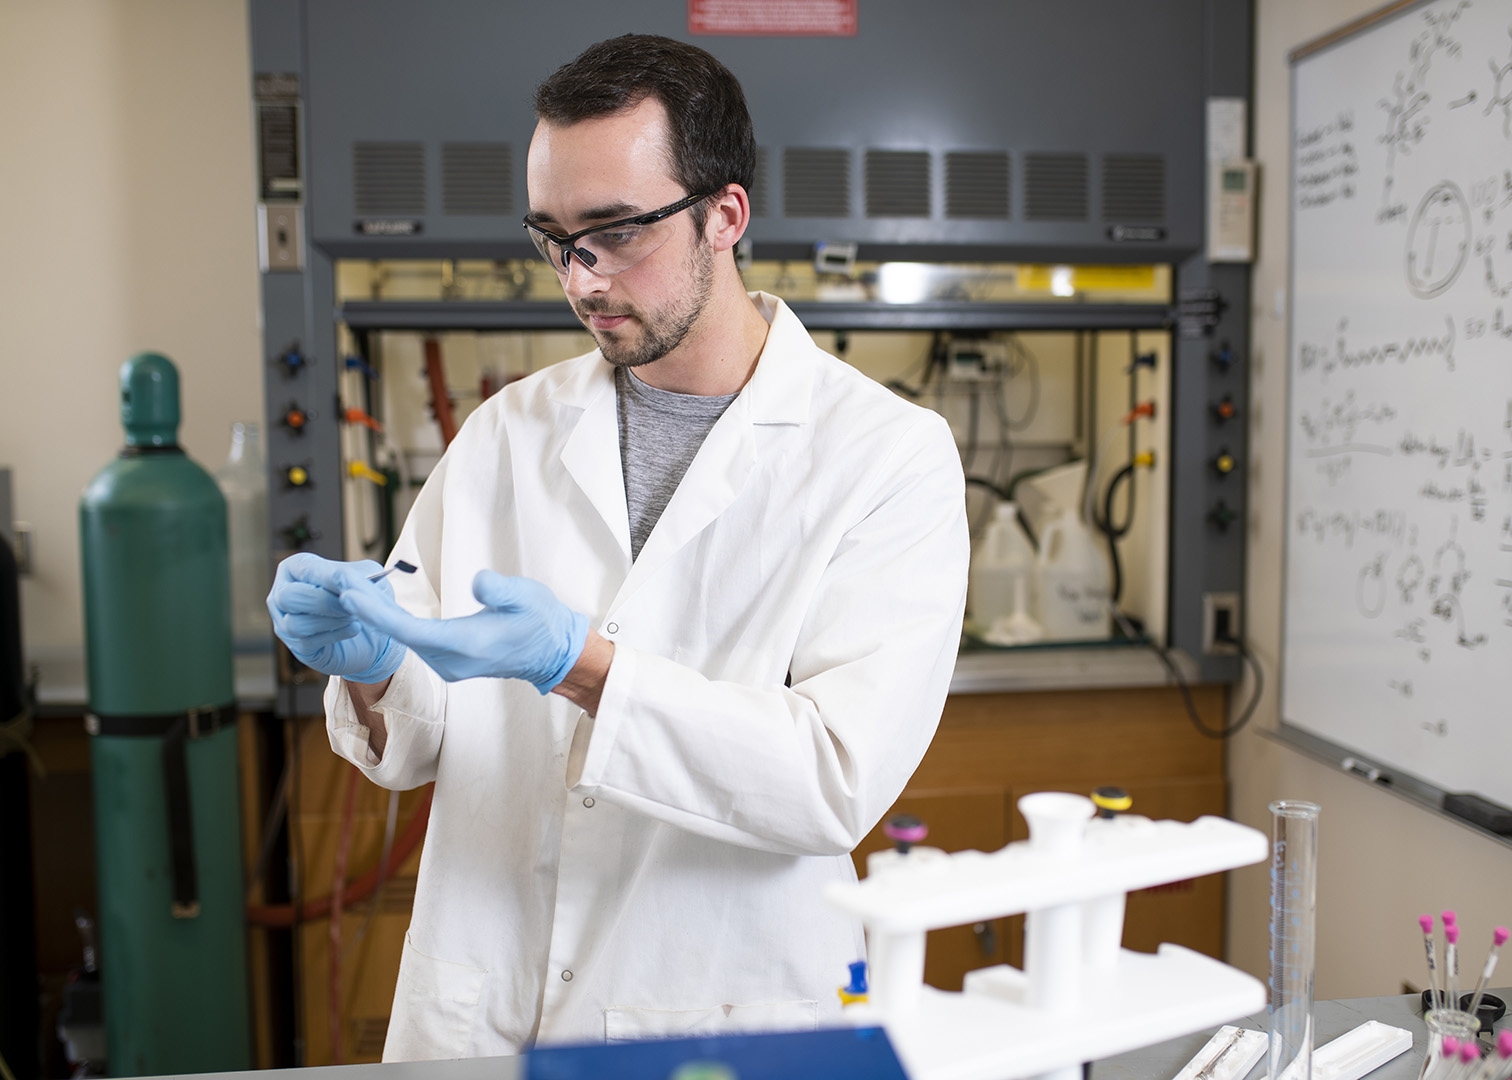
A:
1074	582
1002	559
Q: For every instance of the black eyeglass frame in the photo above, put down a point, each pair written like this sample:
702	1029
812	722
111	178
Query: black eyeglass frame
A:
568	244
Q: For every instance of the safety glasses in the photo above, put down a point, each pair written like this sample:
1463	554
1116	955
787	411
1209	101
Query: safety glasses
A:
614	247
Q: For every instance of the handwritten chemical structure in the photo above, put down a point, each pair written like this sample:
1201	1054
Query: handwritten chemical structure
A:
1501	99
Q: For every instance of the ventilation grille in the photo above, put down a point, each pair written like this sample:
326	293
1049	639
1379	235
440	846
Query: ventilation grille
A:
388	178
1055	187
816	183
758	192
976	185
278	136
897	183
1133	187
476	178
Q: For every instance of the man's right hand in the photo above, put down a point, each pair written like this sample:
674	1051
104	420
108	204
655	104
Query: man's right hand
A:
305	603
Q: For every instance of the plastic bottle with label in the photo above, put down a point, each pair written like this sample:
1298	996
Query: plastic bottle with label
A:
1001	583
244	482
1074	581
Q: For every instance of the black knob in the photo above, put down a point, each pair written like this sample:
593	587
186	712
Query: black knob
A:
299	533
1222	515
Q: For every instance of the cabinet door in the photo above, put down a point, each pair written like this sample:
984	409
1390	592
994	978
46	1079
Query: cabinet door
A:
1186	913
958	821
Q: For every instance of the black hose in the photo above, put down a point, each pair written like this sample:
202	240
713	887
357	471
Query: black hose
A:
1186	694
1115	533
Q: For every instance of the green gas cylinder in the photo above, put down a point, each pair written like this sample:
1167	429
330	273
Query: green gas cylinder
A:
157	615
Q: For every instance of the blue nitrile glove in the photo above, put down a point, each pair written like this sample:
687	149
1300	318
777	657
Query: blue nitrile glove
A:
523	632
308	618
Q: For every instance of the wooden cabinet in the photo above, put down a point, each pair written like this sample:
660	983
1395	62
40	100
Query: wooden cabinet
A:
991	749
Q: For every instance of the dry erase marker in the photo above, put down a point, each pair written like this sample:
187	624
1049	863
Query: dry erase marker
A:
401	566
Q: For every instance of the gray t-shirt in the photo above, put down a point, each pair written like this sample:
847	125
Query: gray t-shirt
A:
659	433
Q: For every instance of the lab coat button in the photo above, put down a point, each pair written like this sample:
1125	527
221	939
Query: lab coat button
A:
566	976
612	628
588	802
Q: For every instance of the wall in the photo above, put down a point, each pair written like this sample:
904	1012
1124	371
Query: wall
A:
128	185
1383	860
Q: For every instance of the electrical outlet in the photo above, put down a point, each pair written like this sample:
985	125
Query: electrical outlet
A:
1220	623
279	245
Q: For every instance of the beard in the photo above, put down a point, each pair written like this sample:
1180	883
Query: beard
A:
660	331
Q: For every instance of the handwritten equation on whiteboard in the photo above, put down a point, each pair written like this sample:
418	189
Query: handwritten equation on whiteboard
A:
1399	550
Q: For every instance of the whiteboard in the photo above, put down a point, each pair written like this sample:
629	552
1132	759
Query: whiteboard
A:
1397	638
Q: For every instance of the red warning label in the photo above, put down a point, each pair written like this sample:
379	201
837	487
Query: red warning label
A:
789	18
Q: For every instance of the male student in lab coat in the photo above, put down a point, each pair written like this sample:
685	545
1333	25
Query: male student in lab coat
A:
685	615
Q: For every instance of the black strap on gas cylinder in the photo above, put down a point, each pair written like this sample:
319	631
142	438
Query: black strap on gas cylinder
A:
176	730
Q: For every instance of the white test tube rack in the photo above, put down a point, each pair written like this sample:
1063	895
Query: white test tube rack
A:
1080	997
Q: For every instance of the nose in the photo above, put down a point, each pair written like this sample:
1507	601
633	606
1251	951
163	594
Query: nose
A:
579	281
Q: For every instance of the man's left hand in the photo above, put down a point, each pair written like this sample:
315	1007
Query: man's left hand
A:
523	632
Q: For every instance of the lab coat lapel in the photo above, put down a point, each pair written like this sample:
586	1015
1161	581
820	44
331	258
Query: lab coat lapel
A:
591	454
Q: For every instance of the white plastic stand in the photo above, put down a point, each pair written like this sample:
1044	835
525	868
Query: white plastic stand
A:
1080	996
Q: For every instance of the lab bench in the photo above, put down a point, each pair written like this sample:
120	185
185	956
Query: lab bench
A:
1159	1062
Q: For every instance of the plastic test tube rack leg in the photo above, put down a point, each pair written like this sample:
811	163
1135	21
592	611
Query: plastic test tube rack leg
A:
895	961
1053	936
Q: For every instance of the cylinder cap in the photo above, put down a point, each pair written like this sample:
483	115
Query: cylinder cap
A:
150	400
1111	800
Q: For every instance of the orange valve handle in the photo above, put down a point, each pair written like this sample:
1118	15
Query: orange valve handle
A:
357	416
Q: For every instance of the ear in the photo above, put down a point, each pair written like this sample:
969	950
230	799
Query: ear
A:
729	215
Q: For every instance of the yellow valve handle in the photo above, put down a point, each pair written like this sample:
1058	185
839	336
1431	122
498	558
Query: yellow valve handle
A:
361	470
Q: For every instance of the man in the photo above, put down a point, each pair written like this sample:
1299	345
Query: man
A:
660	706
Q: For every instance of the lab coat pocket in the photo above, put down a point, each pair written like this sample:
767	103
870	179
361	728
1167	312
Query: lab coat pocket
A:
435	1005
624	1023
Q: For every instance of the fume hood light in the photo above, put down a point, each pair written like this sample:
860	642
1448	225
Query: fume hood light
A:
1062	282
903	282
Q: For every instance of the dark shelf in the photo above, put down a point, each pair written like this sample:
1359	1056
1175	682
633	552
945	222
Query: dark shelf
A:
857	315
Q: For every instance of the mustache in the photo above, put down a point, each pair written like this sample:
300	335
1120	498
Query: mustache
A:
593	305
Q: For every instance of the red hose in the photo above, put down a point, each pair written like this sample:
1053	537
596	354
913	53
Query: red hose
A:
283	916
441	405
338	889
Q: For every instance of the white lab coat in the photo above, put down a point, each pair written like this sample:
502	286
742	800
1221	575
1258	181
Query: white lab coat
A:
659	869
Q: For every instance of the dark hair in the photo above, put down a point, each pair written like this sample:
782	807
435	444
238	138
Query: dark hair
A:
712	144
